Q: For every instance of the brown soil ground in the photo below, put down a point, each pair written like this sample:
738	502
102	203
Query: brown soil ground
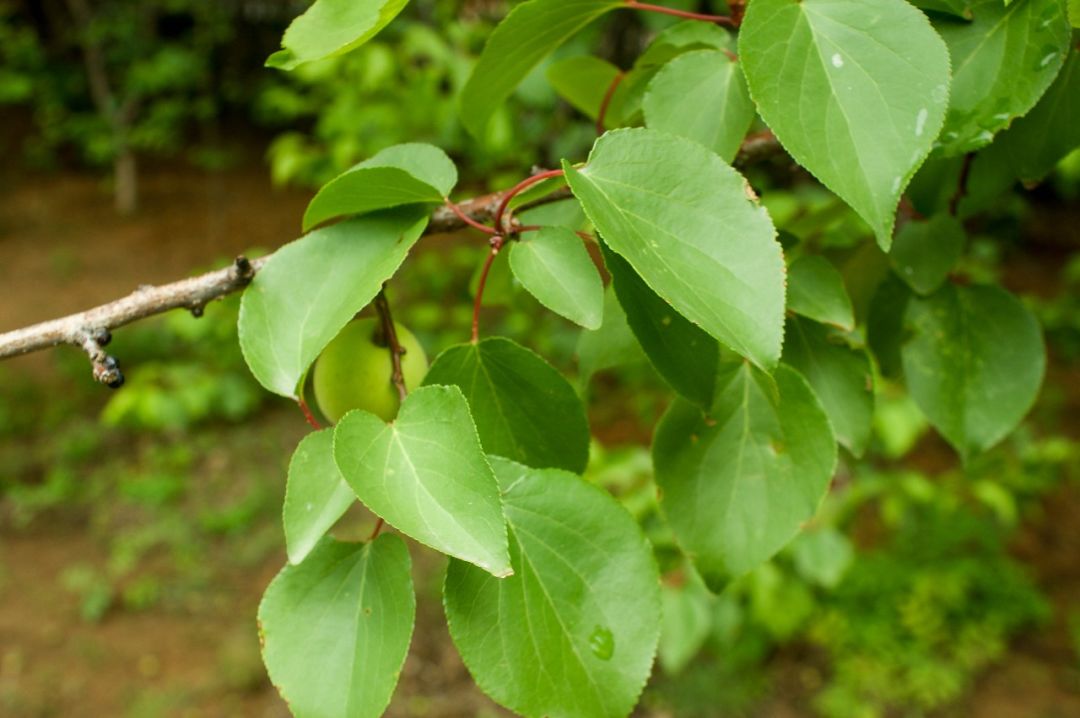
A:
62	249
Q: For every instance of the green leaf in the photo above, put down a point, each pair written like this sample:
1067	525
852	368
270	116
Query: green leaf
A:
682	218
524	408
959	8
574	631
840	376
681	37
613	344
816	290
584	81
823	556
336	628
687	611
1002	64
720	113
316	495
426	474
680	351
554	266
529	33
924	252
398	175
1074	13
1035	143
974	363
738	482
885	323
311	288
333	27
856	91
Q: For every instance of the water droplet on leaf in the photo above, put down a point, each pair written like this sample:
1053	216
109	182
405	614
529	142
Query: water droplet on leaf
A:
602	643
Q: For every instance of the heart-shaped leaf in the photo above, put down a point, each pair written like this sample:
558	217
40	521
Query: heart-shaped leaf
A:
426	474
856	91
573	632
739	481
336	628
316	495
683	220
285	322
524	408
398	175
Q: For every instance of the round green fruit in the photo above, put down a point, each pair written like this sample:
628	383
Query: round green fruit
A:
354	372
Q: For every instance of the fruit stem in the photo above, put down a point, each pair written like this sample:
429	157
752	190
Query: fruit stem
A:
718	19
496	246
606	102
308	414
517	189
389	332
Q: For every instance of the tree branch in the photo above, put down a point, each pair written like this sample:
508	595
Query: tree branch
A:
88	330
91	330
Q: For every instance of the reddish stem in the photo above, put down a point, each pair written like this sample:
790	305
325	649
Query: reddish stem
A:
718	19
389	331
496	245
469	220
518	189
308	415
606	102
378	527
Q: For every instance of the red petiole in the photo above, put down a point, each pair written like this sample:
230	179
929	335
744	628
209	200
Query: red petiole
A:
718	19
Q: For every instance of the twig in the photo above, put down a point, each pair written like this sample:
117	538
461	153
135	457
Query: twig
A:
193	294
145	301
196	292
469	220
508	195
757	147
393	346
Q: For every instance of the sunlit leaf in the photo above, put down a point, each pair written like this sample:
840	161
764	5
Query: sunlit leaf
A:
683	220
426	474
311	288
856	91
574	630
336	628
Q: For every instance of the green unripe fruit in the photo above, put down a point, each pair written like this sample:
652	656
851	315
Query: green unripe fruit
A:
354	372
